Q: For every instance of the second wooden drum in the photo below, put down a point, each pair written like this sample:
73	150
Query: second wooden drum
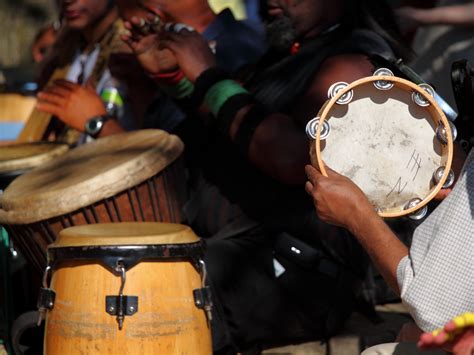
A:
151	273
134	176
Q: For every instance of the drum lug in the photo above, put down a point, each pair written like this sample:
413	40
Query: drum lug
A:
121	306
203	300
202	296
45	302
46	297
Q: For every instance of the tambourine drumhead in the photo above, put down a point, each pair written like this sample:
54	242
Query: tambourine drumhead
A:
111	234
25	156
385	143
88	174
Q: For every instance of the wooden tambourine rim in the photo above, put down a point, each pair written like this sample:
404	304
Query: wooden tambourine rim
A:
62	200
32	161
125	233
323	113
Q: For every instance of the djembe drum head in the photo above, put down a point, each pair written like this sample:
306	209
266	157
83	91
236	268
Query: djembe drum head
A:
133	176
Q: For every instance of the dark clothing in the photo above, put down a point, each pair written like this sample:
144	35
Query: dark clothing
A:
265	295
237	43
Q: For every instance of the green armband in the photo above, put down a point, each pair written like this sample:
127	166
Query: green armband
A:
183	89
220	92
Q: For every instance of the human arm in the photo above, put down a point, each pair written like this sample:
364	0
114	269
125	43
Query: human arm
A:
340	202
75	105
275	142
456	336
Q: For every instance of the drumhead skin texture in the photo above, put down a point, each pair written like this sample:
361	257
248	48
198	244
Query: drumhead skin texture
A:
140	233
385	143
28	155
88	174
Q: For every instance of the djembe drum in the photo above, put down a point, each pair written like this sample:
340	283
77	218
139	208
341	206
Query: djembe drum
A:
390	137
126	288
133	176
16	159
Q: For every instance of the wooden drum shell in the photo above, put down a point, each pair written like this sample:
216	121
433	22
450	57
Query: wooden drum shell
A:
135	176
158	199
163	277
167	322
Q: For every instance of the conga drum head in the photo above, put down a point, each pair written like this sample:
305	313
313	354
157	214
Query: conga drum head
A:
389	136
25	156
156	268
107	234
134	176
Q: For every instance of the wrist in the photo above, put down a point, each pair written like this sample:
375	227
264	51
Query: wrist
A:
205	81
95	124
362	219
168	78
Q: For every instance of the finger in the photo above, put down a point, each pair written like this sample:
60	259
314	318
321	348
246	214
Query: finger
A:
50	98
47	107
312	173
144	27
156	24
309	187
68	85
57	90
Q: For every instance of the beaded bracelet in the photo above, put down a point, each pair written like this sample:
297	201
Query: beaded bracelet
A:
174	84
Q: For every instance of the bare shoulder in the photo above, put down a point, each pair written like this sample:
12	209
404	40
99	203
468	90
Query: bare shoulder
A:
346	67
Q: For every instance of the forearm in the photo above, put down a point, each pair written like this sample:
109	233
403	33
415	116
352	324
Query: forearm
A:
382	245
111	127
458	15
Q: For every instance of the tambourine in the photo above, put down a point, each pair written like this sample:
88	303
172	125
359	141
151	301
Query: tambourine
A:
390	137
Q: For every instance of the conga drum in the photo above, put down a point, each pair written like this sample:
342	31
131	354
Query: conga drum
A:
16	159
135	176
390	137
126	288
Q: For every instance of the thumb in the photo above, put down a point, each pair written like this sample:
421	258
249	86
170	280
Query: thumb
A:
329	171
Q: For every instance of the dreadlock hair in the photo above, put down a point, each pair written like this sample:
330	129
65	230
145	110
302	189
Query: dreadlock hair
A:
378	16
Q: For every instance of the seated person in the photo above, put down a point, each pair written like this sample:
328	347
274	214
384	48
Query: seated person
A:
433	277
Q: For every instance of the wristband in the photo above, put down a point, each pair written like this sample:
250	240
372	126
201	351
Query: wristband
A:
220	92
183	89
205	81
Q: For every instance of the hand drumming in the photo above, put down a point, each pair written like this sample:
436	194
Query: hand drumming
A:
71	103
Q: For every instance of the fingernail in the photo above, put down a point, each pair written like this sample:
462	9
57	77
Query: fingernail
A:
126	32
142	22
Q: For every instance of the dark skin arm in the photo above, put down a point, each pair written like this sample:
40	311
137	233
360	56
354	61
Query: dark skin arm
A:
340	202
279	146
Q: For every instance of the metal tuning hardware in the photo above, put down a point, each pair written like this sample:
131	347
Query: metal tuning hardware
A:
312	129
383	84
202	296
121	305
46	297
419	214
334	90
438	174
442	135
419	99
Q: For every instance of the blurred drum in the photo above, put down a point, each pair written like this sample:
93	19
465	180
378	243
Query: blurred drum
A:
126	288
390	137
16	159
133	176
14	111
